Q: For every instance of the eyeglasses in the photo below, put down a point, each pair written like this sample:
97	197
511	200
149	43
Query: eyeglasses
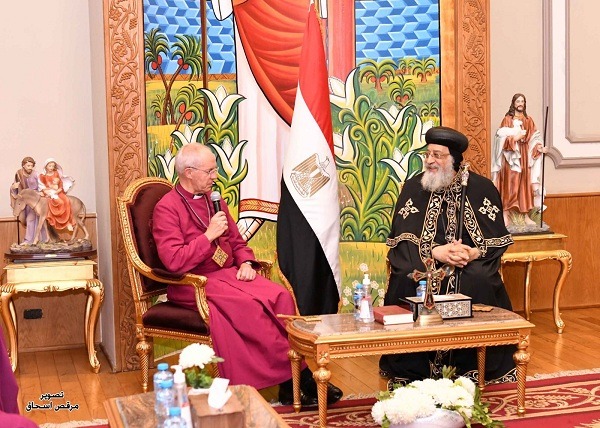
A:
206	171
435	155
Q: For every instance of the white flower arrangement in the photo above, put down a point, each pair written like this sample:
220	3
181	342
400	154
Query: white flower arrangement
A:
193	360
420	399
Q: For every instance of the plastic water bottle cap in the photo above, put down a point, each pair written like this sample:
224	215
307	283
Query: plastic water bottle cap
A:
162	366
174	411
359	286
166	384
422	282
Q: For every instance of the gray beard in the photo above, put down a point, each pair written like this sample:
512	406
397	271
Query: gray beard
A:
438	181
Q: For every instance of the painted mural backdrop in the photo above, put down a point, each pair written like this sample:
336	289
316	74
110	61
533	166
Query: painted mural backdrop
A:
381	110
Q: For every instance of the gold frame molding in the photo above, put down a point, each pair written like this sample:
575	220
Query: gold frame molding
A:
464	38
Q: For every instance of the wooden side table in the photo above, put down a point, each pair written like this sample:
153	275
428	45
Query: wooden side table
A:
532	248
49	277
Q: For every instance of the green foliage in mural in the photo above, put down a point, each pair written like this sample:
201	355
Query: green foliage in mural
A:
378	138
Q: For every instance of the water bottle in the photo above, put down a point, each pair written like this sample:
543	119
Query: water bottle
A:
175	420
358	296
164	401
162	373
180	393
421	288
366	302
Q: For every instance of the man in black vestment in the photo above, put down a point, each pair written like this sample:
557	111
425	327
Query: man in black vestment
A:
426	224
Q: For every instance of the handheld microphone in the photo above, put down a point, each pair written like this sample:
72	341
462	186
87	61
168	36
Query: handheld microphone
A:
215	197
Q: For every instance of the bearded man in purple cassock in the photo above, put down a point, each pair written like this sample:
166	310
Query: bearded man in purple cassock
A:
191	237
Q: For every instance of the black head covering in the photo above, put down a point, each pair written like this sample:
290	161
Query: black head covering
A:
456	142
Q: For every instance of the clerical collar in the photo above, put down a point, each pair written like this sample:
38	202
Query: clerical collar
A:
187	194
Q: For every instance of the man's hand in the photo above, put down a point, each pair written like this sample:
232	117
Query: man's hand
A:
217	226
246	273
455	254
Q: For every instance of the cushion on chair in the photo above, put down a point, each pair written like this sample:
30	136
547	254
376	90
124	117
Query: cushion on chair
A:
169	316
141	211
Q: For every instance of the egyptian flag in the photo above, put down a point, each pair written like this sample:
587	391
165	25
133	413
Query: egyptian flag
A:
308	223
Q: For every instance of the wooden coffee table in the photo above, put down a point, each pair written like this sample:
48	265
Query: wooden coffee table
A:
340	336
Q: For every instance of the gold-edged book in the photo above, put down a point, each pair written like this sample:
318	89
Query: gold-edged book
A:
392	314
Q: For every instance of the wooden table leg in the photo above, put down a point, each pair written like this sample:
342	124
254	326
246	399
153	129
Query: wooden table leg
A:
566	261
322	376
521	358
94	300
7	308
481	367
527	297
295	360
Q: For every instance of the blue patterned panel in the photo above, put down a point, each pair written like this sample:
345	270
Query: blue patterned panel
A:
179	17
397	29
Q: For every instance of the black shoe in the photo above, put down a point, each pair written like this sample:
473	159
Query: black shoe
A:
286	398
334	394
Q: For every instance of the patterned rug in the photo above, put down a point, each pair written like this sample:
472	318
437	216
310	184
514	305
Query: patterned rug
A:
556	401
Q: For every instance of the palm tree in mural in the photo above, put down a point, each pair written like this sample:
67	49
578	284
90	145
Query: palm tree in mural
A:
377	72
188	52
156	109
405	65
155	46
430	111
424	67
402	90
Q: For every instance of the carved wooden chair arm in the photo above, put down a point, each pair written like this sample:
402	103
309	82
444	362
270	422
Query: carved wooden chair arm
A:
265	268
197	281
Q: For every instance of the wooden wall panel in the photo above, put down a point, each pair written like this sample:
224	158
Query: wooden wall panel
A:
61	325
574	215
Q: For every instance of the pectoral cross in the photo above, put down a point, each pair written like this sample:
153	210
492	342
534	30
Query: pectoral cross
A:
429	314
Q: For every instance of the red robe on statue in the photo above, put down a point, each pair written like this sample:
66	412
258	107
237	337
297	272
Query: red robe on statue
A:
243	315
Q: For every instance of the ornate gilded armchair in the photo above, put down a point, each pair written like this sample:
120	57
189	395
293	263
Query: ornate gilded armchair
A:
149	278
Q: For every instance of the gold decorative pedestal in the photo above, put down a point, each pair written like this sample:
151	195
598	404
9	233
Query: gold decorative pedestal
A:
50	277
531	248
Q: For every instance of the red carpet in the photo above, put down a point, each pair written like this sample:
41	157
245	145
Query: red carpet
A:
558	402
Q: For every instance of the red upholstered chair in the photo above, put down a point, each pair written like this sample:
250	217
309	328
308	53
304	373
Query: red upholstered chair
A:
149	278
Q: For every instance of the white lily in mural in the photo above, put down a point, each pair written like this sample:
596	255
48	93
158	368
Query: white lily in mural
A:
231	157
342	146
167	162
187	136
399	162
343	94
221	104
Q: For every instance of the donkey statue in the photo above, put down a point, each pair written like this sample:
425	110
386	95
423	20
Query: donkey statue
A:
39	204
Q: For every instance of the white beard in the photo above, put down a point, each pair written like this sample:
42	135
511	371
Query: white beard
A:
434	181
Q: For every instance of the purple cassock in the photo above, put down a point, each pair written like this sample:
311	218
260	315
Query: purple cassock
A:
9	409
243	315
